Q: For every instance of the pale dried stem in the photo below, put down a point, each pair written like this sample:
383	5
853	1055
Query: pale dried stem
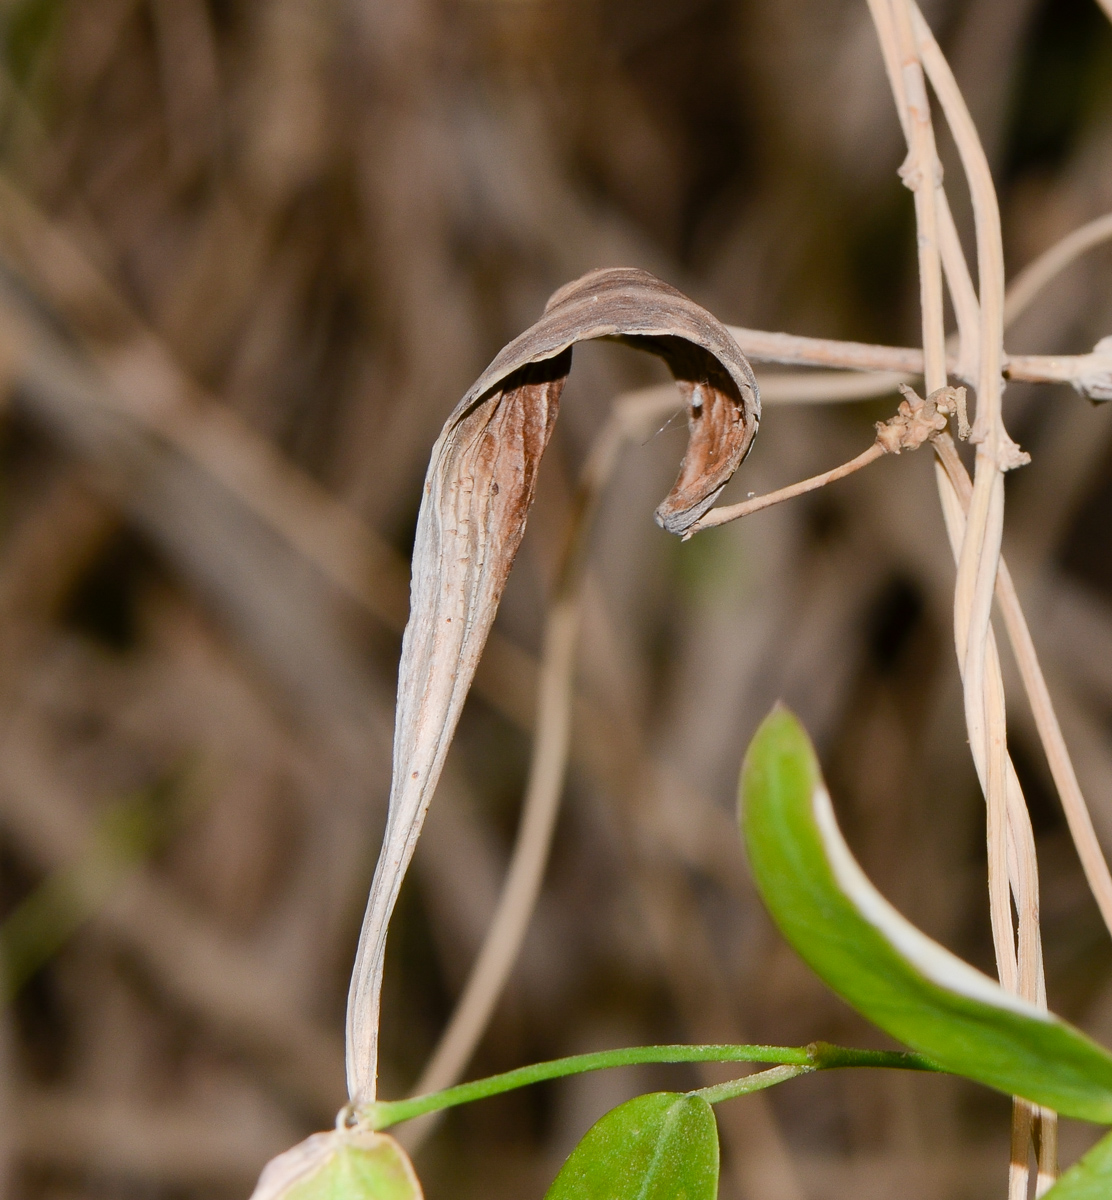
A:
1000	452
792	349
731	512
921	173
1058	758
1036	275
956	491
799	387
976	583
522	886
980	542
829	387
956	487
861	371
963	295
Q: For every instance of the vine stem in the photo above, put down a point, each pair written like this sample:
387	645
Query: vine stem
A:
817	1056
910	50
1036	275
789	349
731	512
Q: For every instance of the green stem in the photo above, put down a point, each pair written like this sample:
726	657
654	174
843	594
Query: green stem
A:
818	1056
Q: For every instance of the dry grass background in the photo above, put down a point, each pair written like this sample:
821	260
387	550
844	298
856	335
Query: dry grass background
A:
250	257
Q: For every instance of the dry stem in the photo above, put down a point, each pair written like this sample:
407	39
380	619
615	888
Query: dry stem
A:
793	350
1036	275
731	512
916	421
1058	758
908	47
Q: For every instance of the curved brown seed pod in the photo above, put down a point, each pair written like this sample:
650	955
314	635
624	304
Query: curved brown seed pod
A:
478	490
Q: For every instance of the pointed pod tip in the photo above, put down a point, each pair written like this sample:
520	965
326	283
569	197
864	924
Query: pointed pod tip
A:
779	754
781	732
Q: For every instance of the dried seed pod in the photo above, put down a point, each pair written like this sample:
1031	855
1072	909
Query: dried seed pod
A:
478	490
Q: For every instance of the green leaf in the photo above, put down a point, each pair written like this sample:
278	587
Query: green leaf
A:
347	1164
883	966
663	1146
1089	1179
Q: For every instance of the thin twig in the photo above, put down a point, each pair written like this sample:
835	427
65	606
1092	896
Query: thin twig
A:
540	807
799	387
829	387
916	421
857	373
794	350
963	295
1036	275
1058	757
521	890
731	512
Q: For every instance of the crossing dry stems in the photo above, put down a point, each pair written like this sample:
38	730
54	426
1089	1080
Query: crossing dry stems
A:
974	516
355	207
632	418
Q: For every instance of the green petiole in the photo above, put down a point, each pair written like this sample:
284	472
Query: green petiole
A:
756	1082
815	1057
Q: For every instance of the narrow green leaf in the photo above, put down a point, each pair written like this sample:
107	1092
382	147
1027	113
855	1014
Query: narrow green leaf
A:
663	1146
881	964
1089	1179
346	1164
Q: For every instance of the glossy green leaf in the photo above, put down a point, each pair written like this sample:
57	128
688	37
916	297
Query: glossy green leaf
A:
663	1146
882	965
1089	1179
346	1164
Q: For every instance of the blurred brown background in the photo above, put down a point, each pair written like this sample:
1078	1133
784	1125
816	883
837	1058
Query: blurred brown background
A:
251	254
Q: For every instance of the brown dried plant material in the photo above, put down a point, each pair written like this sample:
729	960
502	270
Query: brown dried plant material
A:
918	420
478	490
